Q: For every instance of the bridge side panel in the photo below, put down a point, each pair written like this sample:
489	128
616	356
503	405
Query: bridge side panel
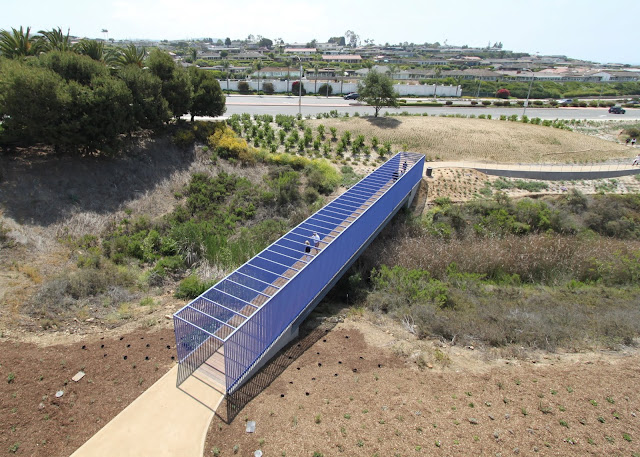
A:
249	341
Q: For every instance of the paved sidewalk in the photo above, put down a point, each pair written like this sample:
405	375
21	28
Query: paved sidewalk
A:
165	421
550	172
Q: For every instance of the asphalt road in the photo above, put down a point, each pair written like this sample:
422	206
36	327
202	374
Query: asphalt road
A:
278	104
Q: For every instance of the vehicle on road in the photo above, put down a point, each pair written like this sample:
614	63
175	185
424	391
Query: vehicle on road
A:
565	101
352	96
616	110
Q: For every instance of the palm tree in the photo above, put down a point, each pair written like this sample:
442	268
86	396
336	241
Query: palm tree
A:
18	43
392	69
55	40
131	56
315	72
288	62
258	66
225	65
92	48
437	72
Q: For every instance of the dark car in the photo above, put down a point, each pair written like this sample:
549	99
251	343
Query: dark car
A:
616	110
352	96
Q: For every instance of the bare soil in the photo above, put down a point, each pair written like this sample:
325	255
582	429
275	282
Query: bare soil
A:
356	391
35	422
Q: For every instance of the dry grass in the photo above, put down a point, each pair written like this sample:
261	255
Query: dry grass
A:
479	139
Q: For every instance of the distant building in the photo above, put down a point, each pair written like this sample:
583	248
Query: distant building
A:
348	58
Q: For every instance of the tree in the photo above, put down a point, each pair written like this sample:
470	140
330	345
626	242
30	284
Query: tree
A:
92	48
19	43
339	40
352	38
288	64
227	42
377	90
316	67
225	65
176	87
40	105
30	102
207	99
73	67
131	56
54	39
437	72
258	66
266	43
150	108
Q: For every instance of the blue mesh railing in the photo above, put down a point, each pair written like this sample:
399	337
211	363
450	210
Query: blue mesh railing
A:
244	314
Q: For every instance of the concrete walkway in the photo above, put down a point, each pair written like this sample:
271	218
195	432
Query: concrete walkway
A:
165	421
547	172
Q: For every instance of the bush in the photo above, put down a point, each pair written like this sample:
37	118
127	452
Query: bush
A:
191	287
226	144
184	137
322	90
503	93
268	88
486	102
243	87
295	88
448	103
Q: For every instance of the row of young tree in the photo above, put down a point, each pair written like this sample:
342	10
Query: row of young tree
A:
79	101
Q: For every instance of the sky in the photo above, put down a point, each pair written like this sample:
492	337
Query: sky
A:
583	29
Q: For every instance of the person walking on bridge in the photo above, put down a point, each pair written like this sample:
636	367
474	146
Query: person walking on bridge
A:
307	250
316	242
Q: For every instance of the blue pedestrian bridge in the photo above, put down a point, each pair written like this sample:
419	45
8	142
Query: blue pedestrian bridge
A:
230	331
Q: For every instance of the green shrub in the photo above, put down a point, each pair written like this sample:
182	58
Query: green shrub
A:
191	286
243	87
184	137
322	90
268	88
